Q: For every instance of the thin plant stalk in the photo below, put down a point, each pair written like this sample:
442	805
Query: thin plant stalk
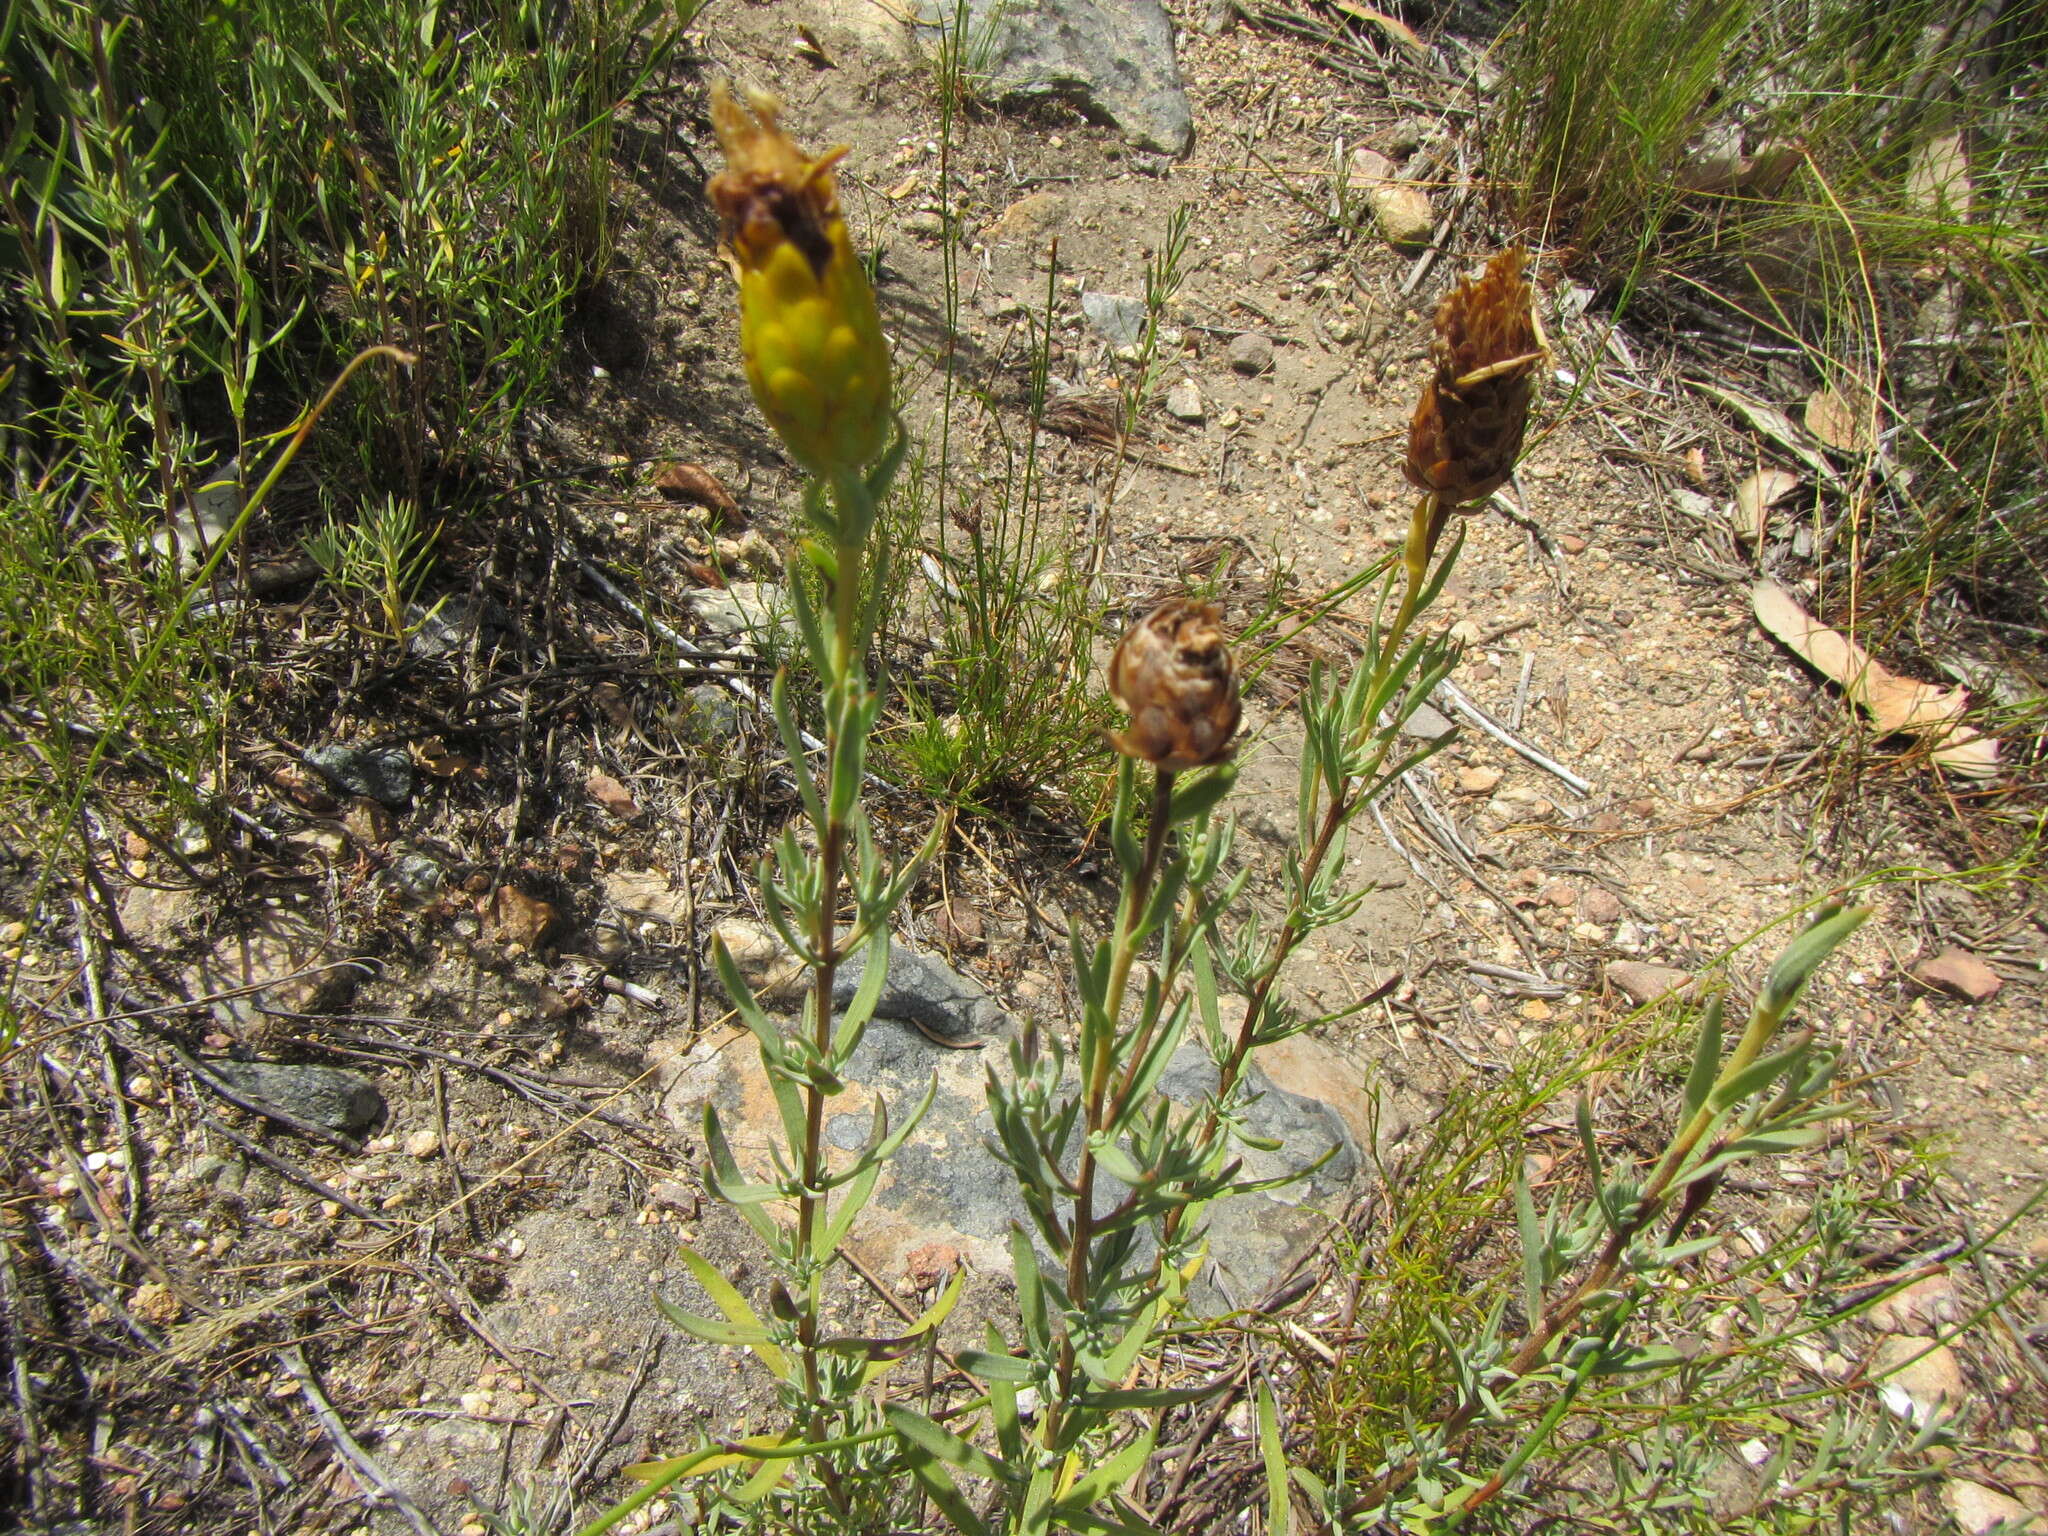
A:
1098	1060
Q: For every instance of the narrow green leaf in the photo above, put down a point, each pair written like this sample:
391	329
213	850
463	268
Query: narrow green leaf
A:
793	746
1795	967
1091	1488
1115	1159
1762	1144
1030	1292
1584	1118
927	1321
936	1440
848	1205
1109	1400
1530	1232
726	1297
762	1483
942	1491
987	1366
861	1007
1279	1507
1757	1076
725	1174
713	1330
1706	1060
1117	1364
1195	799
1203	969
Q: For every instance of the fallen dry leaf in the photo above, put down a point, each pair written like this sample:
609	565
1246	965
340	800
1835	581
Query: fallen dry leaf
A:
1896	704
810	50
1842	421
1755	497
693	482
434	756
1771	422
613	796
517	918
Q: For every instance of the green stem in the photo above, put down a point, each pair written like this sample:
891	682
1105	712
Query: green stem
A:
842	690
1423	528
1096	1068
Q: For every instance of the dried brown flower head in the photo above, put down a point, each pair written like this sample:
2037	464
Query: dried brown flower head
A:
1174	673
1468	429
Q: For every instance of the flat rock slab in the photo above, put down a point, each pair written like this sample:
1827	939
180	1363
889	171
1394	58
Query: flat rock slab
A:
1960	974
340	1101
945	1186
920	990
1640	982
1112	59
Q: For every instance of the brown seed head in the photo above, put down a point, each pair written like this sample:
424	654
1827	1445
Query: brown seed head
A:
1468	429
772	191
1174	673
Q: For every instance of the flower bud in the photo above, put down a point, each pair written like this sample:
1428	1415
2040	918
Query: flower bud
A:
810	336
1174	673
1468	430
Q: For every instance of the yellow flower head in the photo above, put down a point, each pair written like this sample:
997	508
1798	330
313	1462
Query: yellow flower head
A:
808	329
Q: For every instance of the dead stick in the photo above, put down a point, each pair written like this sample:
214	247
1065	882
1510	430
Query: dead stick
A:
294	1361
295	1173
448	1154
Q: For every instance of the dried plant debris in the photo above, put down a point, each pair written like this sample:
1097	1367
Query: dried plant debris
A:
1754	498
1896	705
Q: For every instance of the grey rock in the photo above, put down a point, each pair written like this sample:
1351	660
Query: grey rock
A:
709	717
380	774
1184	401
343	1102
417	877
1427	724
1937	332
159	915
924	991
440	629
920	990
744	612
1406	136
1641	982
1218	17
1401	209
1113	59
223	1173
1714	163
1120	319
1251	353
946	1186
191	534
